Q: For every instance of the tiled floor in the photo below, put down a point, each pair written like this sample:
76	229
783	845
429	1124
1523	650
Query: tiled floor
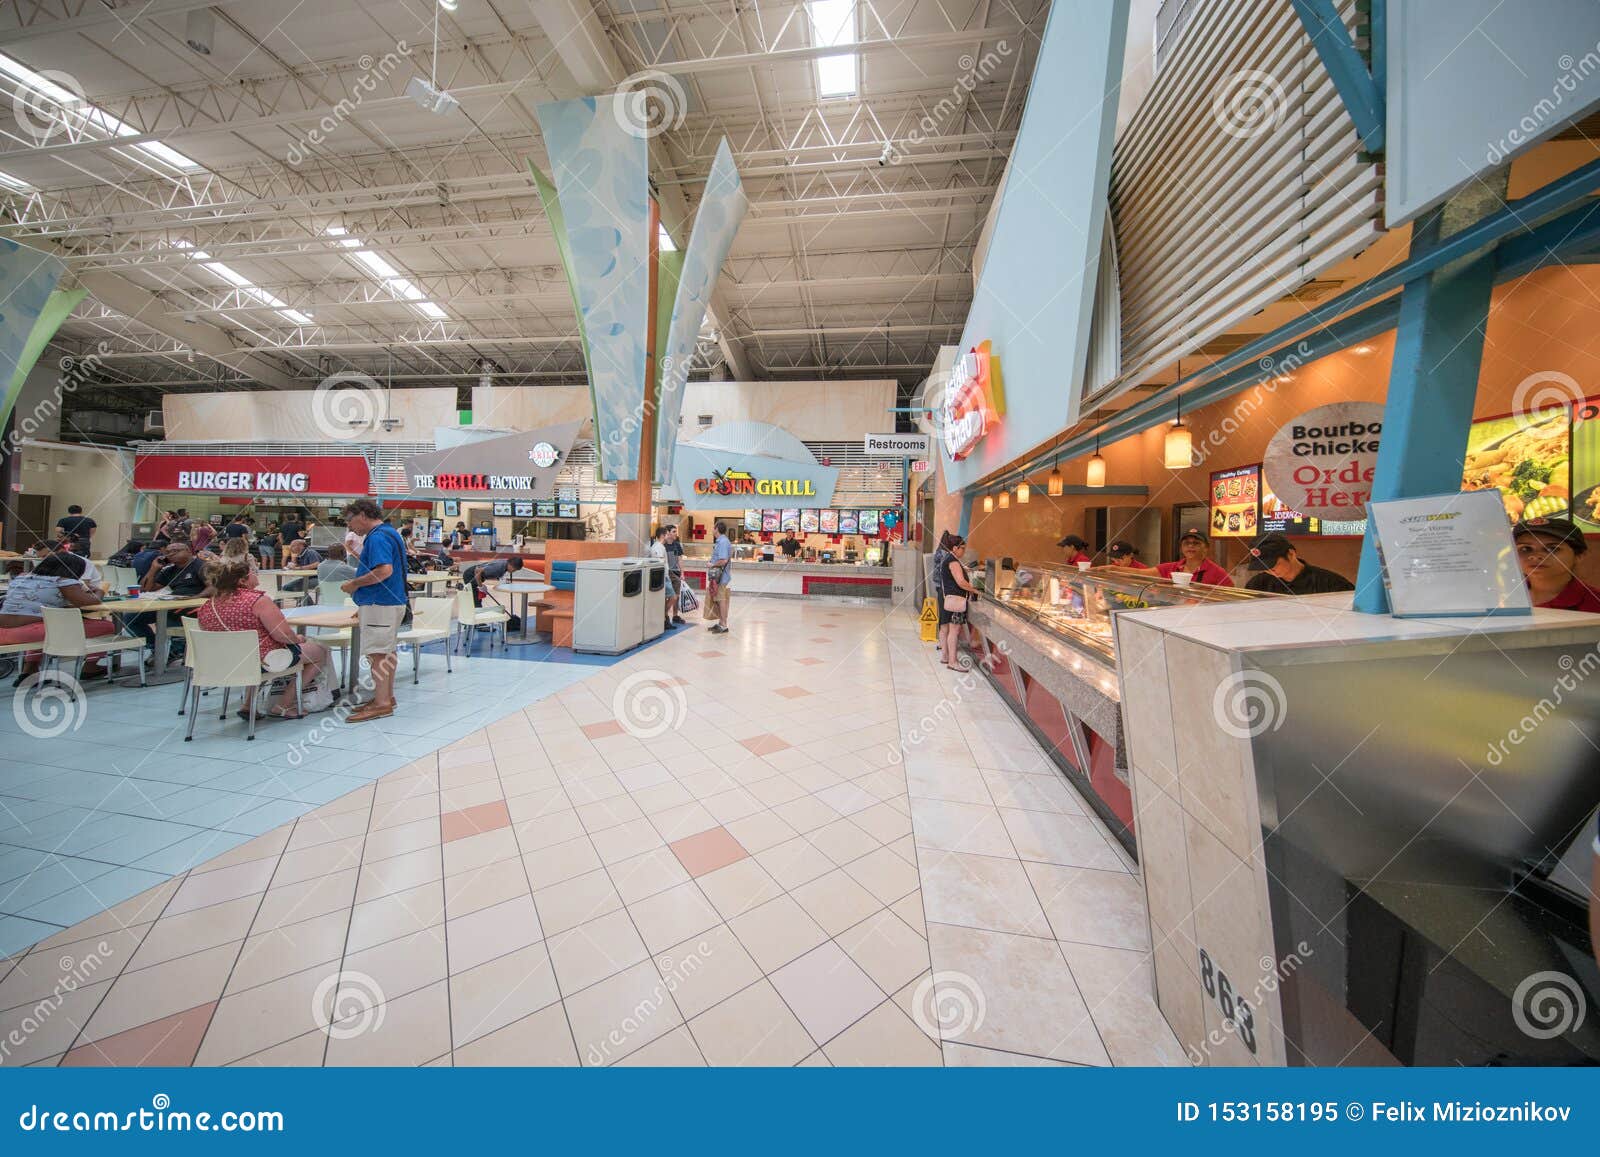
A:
765	848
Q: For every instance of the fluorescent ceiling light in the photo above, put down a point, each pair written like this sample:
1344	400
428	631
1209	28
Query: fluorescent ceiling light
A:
833	24
245	286
7	181
75	106
385	274
664	239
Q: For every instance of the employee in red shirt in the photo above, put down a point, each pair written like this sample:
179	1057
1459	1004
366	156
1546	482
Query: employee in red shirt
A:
1124	553
1196	550
1548	549
1077	549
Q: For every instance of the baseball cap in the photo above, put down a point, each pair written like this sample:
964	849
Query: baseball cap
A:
1073	541
1121	549
1558	530
1193	532
1269	550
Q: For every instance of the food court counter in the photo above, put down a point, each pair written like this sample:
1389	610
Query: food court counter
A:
799	579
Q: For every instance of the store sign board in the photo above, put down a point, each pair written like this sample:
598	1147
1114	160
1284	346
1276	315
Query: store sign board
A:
521	465
1322	463
969	410
710	479
898	445
251	474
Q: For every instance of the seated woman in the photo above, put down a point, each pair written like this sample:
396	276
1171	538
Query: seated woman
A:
238	604
56	582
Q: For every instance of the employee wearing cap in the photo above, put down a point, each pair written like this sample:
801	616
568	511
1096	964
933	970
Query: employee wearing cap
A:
1548	550
1196	550
1077	549
1283	572
1124	553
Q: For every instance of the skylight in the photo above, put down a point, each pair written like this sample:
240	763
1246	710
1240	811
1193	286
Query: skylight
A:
664	239
833	24
245	286
385	274
7	181
74	108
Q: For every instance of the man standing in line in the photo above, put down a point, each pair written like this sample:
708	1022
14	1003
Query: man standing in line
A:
379	593
718	576
674	550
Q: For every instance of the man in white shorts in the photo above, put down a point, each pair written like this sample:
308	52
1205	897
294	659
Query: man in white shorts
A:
379	593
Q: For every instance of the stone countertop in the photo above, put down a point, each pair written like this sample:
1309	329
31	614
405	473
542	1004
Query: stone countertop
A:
853	569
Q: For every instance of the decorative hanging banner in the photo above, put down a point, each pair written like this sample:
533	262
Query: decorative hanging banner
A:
722	209
601	176
27	280
551	200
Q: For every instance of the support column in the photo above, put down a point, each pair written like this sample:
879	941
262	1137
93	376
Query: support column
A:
1433	382
633	496
966	514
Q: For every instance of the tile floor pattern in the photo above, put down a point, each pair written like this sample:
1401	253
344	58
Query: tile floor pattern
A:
725	850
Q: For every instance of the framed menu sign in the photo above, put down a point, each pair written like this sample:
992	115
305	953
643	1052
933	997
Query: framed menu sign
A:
1235	502
1449	554
830	522
1586	465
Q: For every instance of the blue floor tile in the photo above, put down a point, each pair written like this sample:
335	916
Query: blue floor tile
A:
95	896
194	850
17	933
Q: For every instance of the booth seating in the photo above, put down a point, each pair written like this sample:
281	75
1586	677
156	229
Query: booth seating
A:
555	607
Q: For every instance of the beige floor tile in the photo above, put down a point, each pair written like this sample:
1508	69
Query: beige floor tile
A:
410	1031
1090	907
804	814
1054	838
645	875
268	956
886	949
311	863
909	909
621	1014
760	831
398	874
882	823
571	902
884	1037
624	841
794	862
202	891
35	1040
739	887
491	932
269	1014
502	991
734	804
676	823
672	916
149	994
972	1057
980	892
1118	986
400	914
775	790
304	1051
297	902
595	950
1041	793
835	901
400	839
674	1050
539	1040
960	827
188	932
394	968
752	1028
547	831
46	972
842	841
407	810
662	797
884	874
560	862
474	853
472	891
608	813
777	932
705	969
827	990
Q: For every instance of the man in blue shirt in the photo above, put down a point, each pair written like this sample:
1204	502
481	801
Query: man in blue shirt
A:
379	593
718	577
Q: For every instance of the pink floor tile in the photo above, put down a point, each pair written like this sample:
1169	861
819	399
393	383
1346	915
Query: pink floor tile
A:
166	1043
472	821
765	744
712	654
792	692
809	662
708	850
602	729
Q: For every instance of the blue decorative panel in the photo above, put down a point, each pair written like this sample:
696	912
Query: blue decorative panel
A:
27	278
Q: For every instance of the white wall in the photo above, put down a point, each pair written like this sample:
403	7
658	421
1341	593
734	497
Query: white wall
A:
815	411
530	407
97	478
305	415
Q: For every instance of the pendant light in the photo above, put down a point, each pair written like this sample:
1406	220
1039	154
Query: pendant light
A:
1005	499
1054	487
1178	450
1097	467
1024	491
988	503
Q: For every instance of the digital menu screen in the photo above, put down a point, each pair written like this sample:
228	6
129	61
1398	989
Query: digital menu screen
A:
848	522
1276	518
869	522
1527	457
790	520
1586	464
809	522
1236	502
502	510
769	521
752	520
544	508
567	502
830	522
522	509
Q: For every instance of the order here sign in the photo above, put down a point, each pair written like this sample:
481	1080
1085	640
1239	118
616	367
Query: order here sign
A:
251	474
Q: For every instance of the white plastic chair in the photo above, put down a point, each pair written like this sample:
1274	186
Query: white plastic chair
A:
120	578
430	622
64	638
469	617
229	659
334	638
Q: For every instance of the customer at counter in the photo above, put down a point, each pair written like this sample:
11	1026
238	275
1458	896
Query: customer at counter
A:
955	596
1283	572
1196	561
1548	549
1124	553
1077	549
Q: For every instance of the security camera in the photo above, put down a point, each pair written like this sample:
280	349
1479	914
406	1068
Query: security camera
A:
200	30
887	155
429	98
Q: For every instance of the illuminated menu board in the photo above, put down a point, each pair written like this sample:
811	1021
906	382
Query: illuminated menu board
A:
752	520
1586	464
809	523
790	520
769	520
848	522
1235	502
1527	457
830	522
869	522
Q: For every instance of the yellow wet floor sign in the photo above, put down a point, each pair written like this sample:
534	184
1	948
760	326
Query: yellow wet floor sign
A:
929	618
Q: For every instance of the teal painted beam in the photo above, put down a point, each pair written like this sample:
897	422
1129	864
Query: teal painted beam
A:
1362	95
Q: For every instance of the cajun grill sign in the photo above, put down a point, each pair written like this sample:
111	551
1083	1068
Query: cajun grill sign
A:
731	483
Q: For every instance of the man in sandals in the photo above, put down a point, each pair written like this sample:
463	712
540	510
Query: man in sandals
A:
379	593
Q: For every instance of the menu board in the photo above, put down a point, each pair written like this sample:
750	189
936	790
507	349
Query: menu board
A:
869	522
830	522
809	523
752	520
1235	502
848	522
790	520
1527	457
544	508
1586	464
502	510
567	502
769	521
522	509
1276	518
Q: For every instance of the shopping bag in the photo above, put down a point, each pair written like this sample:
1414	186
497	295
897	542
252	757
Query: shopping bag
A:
687	603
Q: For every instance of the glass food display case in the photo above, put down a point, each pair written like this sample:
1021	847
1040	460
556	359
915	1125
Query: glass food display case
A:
1076	605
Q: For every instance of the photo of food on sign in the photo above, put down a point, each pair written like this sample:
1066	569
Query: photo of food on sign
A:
1235	498
1586	464
1526	458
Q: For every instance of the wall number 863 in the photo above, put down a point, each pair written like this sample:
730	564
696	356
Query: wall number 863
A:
1236	1011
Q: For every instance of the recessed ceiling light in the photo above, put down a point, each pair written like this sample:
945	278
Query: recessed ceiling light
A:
1363	350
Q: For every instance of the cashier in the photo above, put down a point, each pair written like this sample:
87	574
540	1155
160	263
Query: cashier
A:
1548	550
1077	549
790	545
1124	553
1284	572
1196	550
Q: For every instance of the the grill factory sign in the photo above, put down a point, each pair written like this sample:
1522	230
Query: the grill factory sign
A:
522	465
